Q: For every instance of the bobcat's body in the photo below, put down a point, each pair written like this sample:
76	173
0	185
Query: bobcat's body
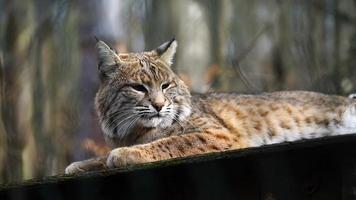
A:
150	121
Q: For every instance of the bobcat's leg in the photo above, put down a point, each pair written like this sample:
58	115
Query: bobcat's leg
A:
98	163
174	147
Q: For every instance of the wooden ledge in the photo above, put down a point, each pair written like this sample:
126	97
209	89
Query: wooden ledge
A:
322	168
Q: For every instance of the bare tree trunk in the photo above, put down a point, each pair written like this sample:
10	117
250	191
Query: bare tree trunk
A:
214	11
12	170
3	143
193	57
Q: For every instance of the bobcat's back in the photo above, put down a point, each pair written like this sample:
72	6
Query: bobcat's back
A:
280	116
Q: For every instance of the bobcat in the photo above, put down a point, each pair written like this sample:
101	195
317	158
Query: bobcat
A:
147	113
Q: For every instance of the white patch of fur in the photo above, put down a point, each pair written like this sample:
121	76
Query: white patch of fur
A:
166	122
167	119
153	122
186	111
168	55
348	123
352	96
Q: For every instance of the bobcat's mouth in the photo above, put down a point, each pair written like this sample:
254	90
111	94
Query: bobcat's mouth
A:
151	122
156	120
166	117
152	116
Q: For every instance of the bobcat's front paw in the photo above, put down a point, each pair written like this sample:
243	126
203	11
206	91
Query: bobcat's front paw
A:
74	168
126	156
93	164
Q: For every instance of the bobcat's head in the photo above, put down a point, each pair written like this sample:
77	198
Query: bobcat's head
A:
139	90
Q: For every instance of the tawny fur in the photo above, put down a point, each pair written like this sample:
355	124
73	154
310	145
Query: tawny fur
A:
190	125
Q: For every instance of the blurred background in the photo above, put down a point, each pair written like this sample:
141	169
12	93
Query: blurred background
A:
48	76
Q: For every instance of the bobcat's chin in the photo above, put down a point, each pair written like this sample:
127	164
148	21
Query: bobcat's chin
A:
156	122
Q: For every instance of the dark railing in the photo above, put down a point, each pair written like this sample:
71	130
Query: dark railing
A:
322	169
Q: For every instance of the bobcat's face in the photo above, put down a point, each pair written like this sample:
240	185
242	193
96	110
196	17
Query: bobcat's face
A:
139	89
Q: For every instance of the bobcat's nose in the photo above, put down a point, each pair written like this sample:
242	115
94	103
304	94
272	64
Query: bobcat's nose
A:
157	101
157	106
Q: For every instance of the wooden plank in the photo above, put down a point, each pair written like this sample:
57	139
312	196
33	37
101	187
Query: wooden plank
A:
312	169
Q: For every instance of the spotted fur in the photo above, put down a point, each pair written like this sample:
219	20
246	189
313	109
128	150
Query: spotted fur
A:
147	113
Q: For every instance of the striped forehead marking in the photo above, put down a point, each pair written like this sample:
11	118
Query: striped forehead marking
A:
150	72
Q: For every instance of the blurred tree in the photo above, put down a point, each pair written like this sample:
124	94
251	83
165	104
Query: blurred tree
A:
12	66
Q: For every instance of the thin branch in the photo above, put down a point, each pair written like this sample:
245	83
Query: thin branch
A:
236	62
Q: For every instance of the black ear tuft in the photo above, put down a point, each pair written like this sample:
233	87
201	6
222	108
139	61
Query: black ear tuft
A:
96	39
163	48
167	50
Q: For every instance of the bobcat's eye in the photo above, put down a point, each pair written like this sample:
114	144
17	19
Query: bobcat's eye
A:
139	87
165	86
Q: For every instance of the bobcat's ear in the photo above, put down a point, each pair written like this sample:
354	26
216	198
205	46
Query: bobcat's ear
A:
108	59
167	50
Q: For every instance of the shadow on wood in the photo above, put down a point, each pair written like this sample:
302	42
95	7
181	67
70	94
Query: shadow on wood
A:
313	169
